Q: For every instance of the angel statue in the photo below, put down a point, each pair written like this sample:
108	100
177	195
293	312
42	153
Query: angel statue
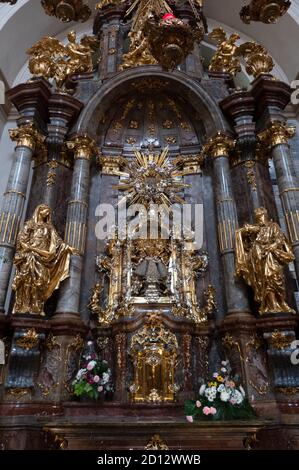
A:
225	59
42	262
52	59
262	251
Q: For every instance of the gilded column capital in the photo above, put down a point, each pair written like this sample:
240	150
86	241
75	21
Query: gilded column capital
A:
218	146
83	146
27	136
277	133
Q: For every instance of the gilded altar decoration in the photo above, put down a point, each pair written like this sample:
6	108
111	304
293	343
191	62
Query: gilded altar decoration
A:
262	251
280	340
257	59
142	265
276	134
67	10
156	443
266	11
225	59
151	178
171	39
29	340
51	59
28	136
42	263
154	352
139	52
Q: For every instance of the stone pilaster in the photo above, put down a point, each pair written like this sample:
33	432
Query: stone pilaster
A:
107	27
29	140
219	149
75	232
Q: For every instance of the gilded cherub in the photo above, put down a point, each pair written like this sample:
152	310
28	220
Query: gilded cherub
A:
51	59
225	59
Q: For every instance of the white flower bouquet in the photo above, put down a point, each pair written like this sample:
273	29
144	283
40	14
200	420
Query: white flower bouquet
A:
222	398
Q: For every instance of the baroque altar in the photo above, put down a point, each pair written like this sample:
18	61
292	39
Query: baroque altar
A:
131	116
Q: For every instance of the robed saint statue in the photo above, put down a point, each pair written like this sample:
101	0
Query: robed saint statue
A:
262	252
42	262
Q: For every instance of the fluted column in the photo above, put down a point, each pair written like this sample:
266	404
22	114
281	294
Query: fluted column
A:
276	136
219	149
28	139
75	232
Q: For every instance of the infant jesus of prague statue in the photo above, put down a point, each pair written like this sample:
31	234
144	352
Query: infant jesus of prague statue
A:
262	251
42	262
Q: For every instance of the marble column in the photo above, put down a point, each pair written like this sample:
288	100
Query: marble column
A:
219	148
63	109
239	107
28	140
75	232
276	137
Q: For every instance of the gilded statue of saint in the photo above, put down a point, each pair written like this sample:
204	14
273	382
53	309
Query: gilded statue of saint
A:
262	251
42	262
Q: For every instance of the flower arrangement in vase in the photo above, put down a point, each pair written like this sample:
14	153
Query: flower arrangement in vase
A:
222	398
93	380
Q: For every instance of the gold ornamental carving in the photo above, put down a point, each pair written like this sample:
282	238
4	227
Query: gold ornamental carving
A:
276	134
111	165
83	147
154	352
280	340
257	59
250	173
27	136
266	11
170	39
51	59
190	164
151	178
288	391
18	393
67	10
156	443
219	146
42	262
225	59
262	252
29	340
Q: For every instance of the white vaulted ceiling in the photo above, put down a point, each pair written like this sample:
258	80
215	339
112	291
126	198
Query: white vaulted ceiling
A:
24	23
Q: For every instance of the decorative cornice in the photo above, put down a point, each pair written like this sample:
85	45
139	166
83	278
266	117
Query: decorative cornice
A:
219	146
111	165
83	146
277	134
189	164
27	136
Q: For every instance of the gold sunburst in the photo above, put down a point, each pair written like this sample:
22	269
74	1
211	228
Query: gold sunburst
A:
152	179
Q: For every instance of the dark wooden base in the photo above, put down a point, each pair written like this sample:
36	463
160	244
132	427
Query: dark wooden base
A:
85	426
